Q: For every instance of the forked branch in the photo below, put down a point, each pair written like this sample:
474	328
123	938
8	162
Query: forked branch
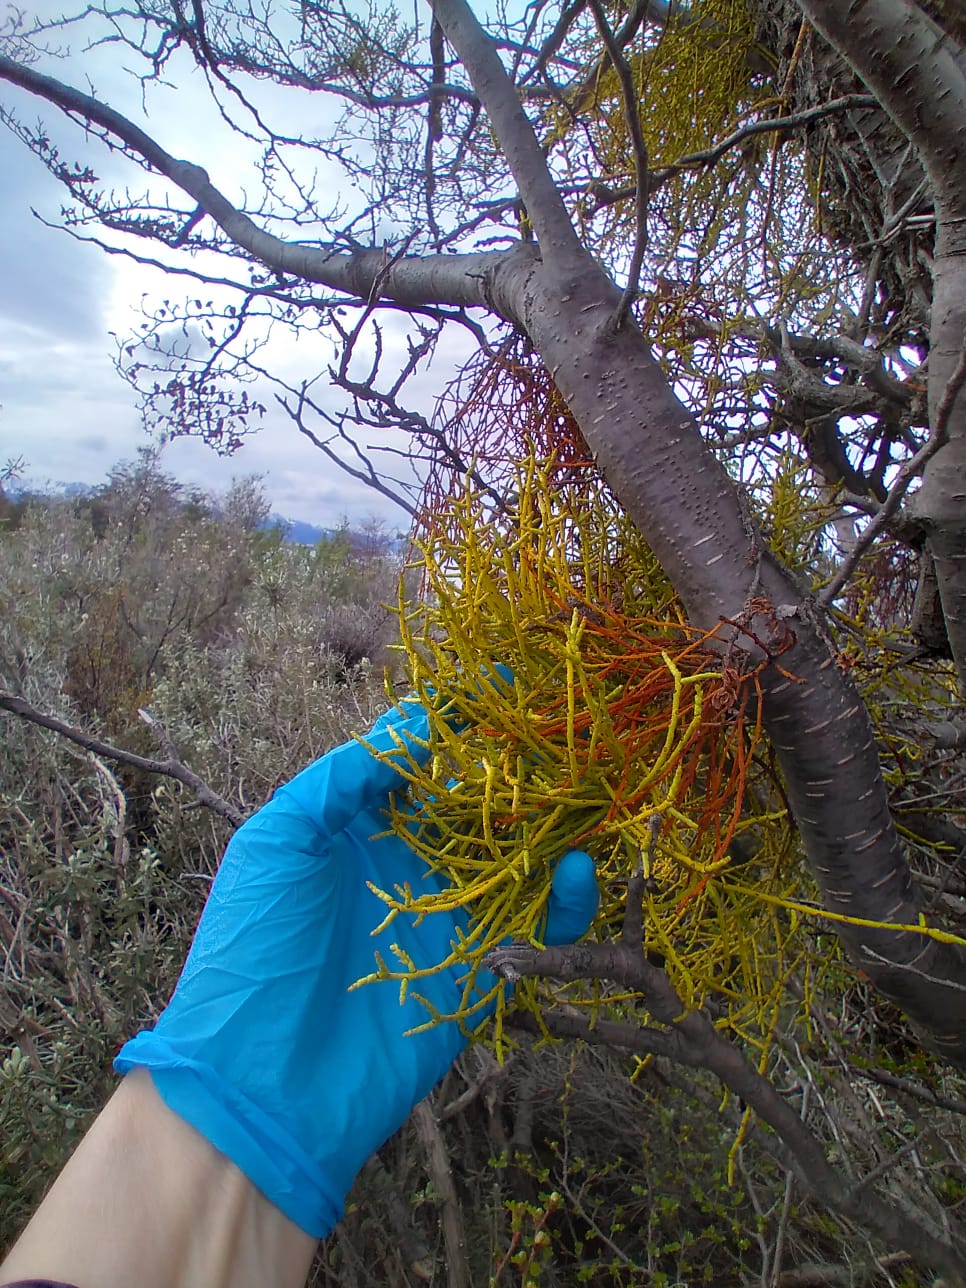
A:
172	767
632	117
910	470
689	1038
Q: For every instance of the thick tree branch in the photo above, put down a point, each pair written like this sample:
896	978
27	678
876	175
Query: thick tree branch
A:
651	452
916	78
916	72
556	236
460	280
910	1088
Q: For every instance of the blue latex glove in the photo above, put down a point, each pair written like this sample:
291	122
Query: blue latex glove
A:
262	1048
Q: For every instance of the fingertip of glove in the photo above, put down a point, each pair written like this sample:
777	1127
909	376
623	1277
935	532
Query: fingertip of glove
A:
575	871
574	898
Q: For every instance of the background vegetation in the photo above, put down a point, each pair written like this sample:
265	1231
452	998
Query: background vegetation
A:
569	1163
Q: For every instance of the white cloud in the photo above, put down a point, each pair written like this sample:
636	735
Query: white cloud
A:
62	405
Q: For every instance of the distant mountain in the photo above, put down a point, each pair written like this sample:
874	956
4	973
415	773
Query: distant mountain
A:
297	530
16	489
362	541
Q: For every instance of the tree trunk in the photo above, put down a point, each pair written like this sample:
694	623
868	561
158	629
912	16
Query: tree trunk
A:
651	453
650	450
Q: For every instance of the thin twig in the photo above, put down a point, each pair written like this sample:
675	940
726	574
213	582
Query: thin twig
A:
173	767
604	196
761	1220
889	1162
776	125
642	188
906	474
910	1088
782	1231
492	1072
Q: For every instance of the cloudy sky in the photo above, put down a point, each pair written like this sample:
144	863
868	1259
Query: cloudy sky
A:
63	408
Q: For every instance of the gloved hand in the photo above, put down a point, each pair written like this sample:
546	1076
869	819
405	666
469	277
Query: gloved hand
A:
262	1048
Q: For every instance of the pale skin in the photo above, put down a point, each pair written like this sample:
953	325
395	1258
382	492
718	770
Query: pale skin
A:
146	1200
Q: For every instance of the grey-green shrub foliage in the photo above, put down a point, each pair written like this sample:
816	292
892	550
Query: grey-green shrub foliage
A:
254	655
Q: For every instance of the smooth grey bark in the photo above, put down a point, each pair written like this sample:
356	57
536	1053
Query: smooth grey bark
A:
652	454
916	71
649	448
451	279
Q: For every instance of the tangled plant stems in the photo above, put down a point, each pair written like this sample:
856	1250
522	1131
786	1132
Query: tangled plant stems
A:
622	731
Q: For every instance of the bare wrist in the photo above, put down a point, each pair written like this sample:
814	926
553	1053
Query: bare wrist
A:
146	1199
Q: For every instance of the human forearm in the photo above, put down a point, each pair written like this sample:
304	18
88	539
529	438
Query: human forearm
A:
199	1221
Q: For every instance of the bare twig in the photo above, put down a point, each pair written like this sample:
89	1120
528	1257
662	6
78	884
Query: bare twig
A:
776	125
761	1219
906	474
781	1233
369	476
910	1088
642	188
491	1073
173	767
438	1165
604	196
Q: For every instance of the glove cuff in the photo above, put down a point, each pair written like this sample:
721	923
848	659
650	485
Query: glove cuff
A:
258	1145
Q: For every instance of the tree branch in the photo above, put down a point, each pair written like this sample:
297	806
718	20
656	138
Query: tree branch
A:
710	156
914	75
910	1088
459	280
776	125
917	72
642	189
555	233
440	1172
691	1039
912	467
173	767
